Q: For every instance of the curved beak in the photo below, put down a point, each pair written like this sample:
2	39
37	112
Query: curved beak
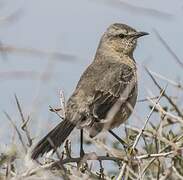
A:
140	34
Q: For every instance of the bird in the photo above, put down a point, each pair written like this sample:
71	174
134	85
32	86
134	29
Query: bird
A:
99	90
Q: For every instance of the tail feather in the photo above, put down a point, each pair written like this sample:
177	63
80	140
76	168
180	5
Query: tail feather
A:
57	136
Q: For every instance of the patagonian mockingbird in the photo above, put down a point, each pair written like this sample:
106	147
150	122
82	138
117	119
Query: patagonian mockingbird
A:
106	92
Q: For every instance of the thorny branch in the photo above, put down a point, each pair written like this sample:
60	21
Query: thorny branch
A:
147	119
165	95
24	122
168	48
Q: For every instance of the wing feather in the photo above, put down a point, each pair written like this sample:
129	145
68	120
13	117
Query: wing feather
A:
110	89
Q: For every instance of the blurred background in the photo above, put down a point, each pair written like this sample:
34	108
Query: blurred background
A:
46	45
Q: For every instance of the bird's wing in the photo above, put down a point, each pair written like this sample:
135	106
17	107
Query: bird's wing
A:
109	89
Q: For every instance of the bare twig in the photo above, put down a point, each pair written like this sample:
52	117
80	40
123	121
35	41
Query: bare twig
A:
147	119
147	156
165	95
56	112
19	75
177	173
24	122
139	9
121	174
58	155
60	110
176	139
102	176
16	129
145	99
168	48
68	160
170	81
62	103
90	156
35	52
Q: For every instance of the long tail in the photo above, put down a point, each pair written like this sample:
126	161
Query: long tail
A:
57	136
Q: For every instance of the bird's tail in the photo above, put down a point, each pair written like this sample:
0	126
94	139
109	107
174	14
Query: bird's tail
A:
53	139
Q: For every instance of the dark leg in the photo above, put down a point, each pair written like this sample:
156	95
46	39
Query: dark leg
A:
82	153
125	145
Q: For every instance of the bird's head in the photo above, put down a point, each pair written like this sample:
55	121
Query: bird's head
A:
121	38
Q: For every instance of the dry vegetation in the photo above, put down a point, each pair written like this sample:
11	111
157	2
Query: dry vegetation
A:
153	151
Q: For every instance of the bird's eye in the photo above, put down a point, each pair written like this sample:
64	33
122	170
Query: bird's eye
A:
121	36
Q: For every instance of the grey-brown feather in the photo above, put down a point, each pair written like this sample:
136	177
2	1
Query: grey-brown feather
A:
107	95
53	139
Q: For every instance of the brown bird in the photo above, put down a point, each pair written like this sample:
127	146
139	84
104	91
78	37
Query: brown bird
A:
106	92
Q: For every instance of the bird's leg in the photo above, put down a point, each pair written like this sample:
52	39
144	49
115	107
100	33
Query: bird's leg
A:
125	145
82	153
82	165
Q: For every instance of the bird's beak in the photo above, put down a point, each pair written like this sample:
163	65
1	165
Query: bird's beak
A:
140	34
